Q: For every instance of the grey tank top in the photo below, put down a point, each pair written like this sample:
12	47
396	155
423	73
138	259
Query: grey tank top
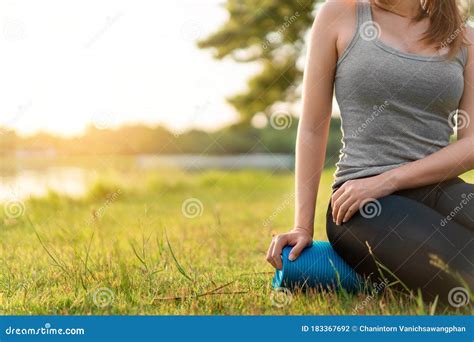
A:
396	107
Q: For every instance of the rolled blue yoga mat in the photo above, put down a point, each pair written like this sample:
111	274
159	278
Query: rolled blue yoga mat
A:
317	266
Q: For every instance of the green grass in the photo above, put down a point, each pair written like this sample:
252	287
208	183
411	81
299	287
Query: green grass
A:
127	248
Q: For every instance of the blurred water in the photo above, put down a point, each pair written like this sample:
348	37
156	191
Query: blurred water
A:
72	181
21	182
262	161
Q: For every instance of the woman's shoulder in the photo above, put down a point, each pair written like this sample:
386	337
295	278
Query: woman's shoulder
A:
337	15
337	9
469	42
339	18
469	34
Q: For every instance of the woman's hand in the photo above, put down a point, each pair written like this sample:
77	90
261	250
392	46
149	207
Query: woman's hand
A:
299	238
354	194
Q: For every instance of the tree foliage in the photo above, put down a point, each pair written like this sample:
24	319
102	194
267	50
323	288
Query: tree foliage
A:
141	139
272	33
269	32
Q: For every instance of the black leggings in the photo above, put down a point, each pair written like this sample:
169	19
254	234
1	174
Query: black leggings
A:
405	230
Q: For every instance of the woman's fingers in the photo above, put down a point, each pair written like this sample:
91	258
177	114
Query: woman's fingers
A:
296	250
343	208
280	242
336	195
351	211
337	205
299	241
269	253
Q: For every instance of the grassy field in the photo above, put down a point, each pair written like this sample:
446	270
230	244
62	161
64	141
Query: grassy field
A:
165	243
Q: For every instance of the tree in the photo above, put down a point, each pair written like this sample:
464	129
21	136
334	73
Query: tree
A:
272	33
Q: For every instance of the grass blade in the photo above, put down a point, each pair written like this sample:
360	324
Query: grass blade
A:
178	265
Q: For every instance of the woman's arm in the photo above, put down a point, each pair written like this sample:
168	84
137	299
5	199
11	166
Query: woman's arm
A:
447	163
313	131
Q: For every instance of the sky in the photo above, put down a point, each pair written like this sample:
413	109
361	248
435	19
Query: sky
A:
67	64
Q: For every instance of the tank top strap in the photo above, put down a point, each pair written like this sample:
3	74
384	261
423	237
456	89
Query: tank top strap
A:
364	13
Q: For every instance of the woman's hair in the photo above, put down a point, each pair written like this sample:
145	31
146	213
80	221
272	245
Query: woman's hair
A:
447	24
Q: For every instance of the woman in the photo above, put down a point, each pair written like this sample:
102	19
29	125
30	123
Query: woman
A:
401	69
